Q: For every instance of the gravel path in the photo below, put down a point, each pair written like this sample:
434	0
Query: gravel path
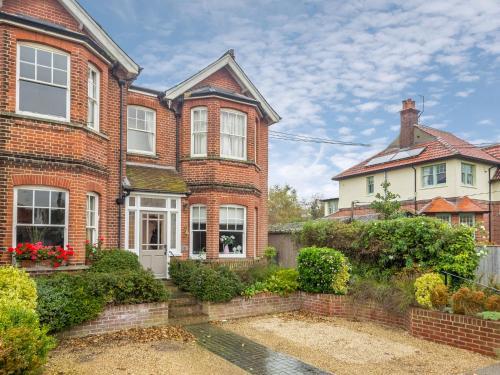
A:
143	352
346	347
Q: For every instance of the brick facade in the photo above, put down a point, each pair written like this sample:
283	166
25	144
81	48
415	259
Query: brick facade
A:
70	156
470	333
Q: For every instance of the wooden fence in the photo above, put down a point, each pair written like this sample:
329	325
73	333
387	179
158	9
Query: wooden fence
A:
489	266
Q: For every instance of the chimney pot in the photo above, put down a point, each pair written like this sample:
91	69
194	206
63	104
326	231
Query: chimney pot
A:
408	103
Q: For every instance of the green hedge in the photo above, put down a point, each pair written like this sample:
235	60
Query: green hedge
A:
322	270
24	345
218	284
384	247
180	272
116	260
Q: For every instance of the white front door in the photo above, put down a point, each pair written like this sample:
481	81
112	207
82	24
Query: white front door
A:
153	242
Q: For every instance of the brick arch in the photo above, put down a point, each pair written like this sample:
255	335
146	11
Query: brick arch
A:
53	181
93	187
239	201
44	40
146	102
198	200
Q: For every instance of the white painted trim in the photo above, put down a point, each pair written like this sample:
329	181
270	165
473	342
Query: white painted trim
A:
244	252
67	87
97	114
192	133
102	37
225	60
141	152
44	188
143	93
191	255
245	131
97	216
137	164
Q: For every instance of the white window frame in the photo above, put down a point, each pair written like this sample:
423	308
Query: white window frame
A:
142	152
446	217
245	130
244	237
41	188
96	100
370	179
193	133
138	208
191	230
463	177
463	215
67	87
94	228
434	169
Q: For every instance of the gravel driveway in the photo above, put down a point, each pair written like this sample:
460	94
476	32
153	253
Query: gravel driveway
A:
346	347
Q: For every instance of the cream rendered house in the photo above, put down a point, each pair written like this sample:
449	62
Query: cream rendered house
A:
433	171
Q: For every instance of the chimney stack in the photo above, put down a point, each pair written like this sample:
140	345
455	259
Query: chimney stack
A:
409	118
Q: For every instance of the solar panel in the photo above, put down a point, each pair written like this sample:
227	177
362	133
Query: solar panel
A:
404	154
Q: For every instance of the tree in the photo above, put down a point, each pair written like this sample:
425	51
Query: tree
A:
387	205
314	208
284	206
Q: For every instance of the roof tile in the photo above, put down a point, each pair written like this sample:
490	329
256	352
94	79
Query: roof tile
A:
155	180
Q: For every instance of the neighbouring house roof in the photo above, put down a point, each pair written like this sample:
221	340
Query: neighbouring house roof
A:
494	151
158	180
286	228
441	205
225	61
442	145
329	199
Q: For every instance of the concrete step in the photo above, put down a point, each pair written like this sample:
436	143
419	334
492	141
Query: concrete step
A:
188	320
187	300
180	311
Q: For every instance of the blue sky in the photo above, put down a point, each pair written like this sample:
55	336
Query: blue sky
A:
333	69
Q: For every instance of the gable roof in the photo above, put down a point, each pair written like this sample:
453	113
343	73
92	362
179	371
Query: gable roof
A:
98	33
441	205
225	61
442	145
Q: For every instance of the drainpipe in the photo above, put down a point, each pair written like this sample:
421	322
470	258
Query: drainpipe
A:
119	201
489	203
415	187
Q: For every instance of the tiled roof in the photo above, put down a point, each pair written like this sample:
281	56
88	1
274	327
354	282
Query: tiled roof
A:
155	180
441	205
444	145
495	152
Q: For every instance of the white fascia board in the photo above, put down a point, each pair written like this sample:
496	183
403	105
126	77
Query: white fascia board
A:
240	76
101	36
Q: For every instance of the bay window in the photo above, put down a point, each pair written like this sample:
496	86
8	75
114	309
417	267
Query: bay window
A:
92	218
43	82
141	134
433	175
198	231
232	231
93	98
233	134
199	131
40	215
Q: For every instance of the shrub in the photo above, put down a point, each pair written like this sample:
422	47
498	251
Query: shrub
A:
283	282
322	270
270	254
256	288
468	302
24	346
257	273
65	300
218	284
116	260
424	285
125	287
17	286
440	296
489	315
180	272
492	303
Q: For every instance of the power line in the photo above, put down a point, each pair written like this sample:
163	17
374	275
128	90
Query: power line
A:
273	134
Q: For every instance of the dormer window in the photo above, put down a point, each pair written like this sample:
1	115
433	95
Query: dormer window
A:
233	134
43	84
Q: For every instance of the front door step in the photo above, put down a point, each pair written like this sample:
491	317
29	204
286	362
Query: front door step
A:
188	320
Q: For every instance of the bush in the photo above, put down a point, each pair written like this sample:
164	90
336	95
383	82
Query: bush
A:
424	285
116	260
467	302
180	272
16	286
283	282
384	247
270	254
218	284
65	300
126	287
492	303
322	270
440	296
489	315
257	273
24	346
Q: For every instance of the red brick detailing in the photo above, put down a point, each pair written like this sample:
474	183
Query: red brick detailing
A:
222	79
30	179
409	118
116	318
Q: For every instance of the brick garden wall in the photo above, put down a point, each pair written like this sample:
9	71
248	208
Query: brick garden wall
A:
464	332
116	318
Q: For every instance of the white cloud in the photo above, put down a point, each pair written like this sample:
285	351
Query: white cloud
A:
433	78
377	121
464	93
395	128
368	106
485	121
345	130
368	132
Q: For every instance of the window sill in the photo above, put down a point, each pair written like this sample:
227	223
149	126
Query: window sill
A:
197	257
469	186
221	255
220	159
149	156
434	186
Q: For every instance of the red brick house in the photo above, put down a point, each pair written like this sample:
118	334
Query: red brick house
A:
84	153
434	172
